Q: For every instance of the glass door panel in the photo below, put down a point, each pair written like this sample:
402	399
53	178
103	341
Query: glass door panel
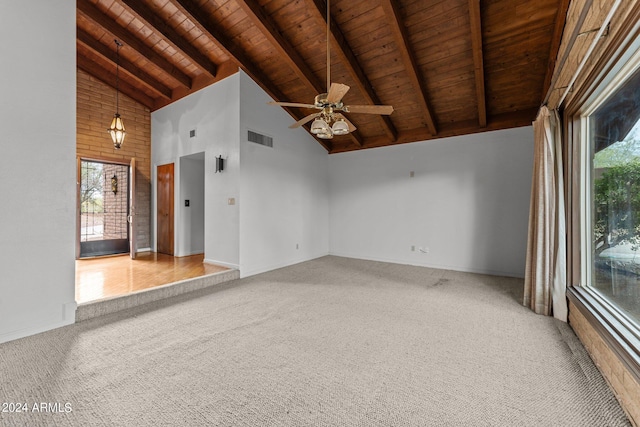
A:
104	208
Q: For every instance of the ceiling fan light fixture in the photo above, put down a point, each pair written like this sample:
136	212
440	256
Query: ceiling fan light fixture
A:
326	135
319	126
340	127
329	121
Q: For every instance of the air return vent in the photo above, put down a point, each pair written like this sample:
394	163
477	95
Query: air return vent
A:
265	140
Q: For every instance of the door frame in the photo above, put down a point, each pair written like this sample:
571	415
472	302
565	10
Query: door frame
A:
183	175
79	160
131	218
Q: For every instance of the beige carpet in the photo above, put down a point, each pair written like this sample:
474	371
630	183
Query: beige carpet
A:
333	342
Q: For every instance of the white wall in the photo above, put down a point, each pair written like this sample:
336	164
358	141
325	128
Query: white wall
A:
280	215
37	166
284	190
468	202
214	114
190	235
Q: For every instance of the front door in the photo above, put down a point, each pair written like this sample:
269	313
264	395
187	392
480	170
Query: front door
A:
103	208
165	209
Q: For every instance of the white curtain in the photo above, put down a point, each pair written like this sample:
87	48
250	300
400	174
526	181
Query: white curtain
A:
545	280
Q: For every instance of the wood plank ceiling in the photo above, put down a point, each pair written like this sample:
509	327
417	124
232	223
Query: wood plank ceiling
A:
448	67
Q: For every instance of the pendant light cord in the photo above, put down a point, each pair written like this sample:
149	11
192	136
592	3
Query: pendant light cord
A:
118	45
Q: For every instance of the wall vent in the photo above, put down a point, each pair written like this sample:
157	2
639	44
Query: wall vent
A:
265	140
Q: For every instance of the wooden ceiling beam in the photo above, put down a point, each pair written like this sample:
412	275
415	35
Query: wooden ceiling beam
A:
401	36
356	138
503	121
108	78
148	16
478	63
83	38
287	52
351	63
225	69
211	29
92	13
194	13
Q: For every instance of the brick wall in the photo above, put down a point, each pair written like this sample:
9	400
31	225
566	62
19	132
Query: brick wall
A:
624	385
96	103
115	204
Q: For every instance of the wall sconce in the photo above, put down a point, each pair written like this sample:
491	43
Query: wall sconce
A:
219	164
114	184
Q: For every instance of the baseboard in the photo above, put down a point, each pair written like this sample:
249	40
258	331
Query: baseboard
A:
140	250
69	312
33	330
190	253
245	272
221	263
429	265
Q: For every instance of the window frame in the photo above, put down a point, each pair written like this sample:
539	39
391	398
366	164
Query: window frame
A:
611	71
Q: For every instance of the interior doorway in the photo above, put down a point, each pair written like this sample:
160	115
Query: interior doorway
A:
190	224
103	208
165	215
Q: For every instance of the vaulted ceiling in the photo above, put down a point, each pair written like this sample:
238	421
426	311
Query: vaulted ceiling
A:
448	67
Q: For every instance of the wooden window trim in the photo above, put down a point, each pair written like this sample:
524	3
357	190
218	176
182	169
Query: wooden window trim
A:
614	329
621	334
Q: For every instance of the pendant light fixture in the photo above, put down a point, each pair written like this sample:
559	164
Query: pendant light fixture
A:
116	130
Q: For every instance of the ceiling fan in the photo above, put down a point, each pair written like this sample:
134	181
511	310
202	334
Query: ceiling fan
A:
330	121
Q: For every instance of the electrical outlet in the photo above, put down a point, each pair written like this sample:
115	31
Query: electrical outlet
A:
412	174
231	201
297	246
413	248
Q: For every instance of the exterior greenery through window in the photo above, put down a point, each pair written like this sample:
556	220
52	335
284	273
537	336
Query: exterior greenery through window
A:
615	198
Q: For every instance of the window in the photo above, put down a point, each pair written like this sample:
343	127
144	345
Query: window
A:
601	139
611	196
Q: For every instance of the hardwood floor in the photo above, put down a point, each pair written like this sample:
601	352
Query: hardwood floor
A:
99	278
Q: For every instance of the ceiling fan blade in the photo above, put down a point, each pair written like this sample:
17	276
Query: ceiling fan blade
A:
291	104
352	127
304	120
336	92
369	109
